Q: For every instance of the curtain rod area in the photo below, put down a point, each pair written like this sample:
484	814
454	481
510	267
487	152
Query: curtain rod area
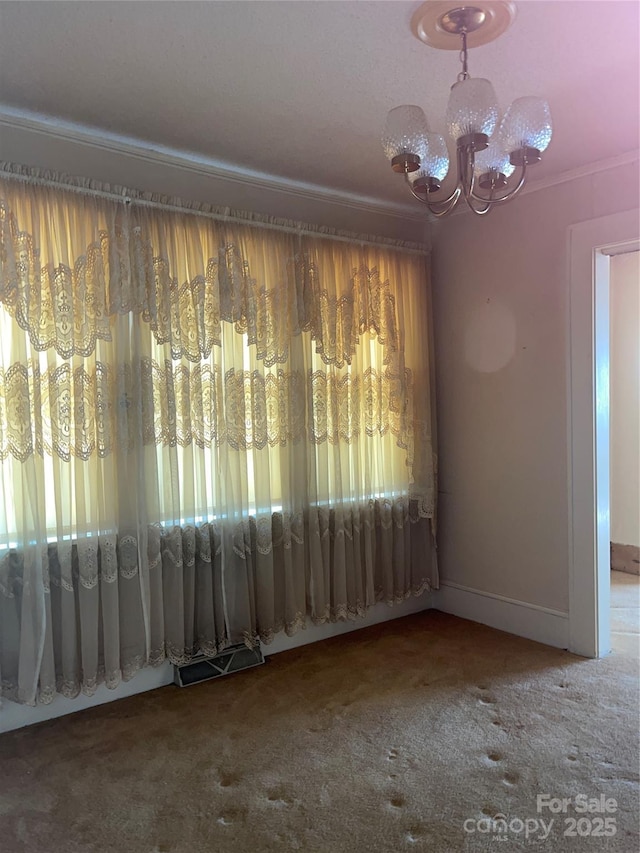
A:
128	196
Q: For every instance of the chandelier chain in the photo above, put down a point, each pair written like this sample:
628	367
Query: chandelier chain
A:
463	55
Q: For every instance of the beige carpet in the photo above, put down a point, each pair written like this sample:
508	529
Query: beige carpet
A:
387	739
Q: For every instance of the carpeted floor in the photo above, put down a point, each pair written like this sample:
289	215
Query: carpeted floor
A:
387	739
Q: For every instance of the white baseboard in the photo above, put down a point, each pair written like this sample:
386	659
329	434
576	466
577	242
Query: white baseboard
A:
378	613
542	624
14	716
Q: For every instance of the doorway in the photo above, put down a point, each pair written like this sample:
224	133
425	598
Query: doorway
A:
591	245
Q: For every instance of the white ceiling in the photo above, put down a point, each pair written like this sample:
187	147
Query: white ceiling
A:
300	90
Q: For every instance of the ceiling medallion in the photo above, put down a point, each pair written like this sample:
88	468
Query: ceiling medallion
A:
489	149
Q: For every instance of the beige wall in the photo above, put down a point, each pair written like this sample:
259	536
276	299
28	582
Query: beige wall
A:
501	326
624	379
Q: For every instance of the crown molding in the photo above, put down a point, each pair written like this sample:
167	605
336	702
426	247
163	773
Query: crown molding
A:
20	119
582	171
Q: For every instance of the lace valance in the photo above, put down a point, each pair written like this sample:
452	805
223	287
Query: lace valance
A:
115	258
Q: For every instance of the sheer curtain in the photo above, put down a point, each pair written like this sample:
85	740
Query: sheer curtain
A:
210	431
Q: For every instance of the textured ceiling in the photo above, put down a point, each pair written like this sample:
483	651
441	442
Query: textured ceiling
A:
301	89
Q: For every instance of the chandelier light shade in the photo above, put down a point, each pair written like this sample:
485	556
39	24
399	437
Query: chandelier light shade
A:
437	159
492	154
434	159
527	124
472	108
405	132
494	158
434	165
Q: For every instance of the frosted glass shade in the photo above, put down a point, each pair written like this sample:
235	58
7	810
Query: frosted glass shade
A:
527	124
405	131
472	108
493	159
434	159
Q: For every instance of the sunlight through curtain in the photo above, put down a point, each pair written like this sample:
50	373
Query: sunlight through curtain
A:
209	432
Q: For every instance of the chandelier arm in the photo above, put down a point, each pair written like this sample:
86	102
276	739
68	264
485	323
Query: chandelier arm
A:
452	197
512	192
416	195
466	164
466	160
452	201
479	211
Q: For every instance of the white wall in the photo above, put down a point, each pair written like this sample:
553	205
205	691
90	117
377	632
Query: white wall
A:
501	329
624	384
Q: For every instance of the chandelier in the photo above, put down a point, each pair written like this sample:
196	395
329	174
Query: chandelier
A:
492	154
